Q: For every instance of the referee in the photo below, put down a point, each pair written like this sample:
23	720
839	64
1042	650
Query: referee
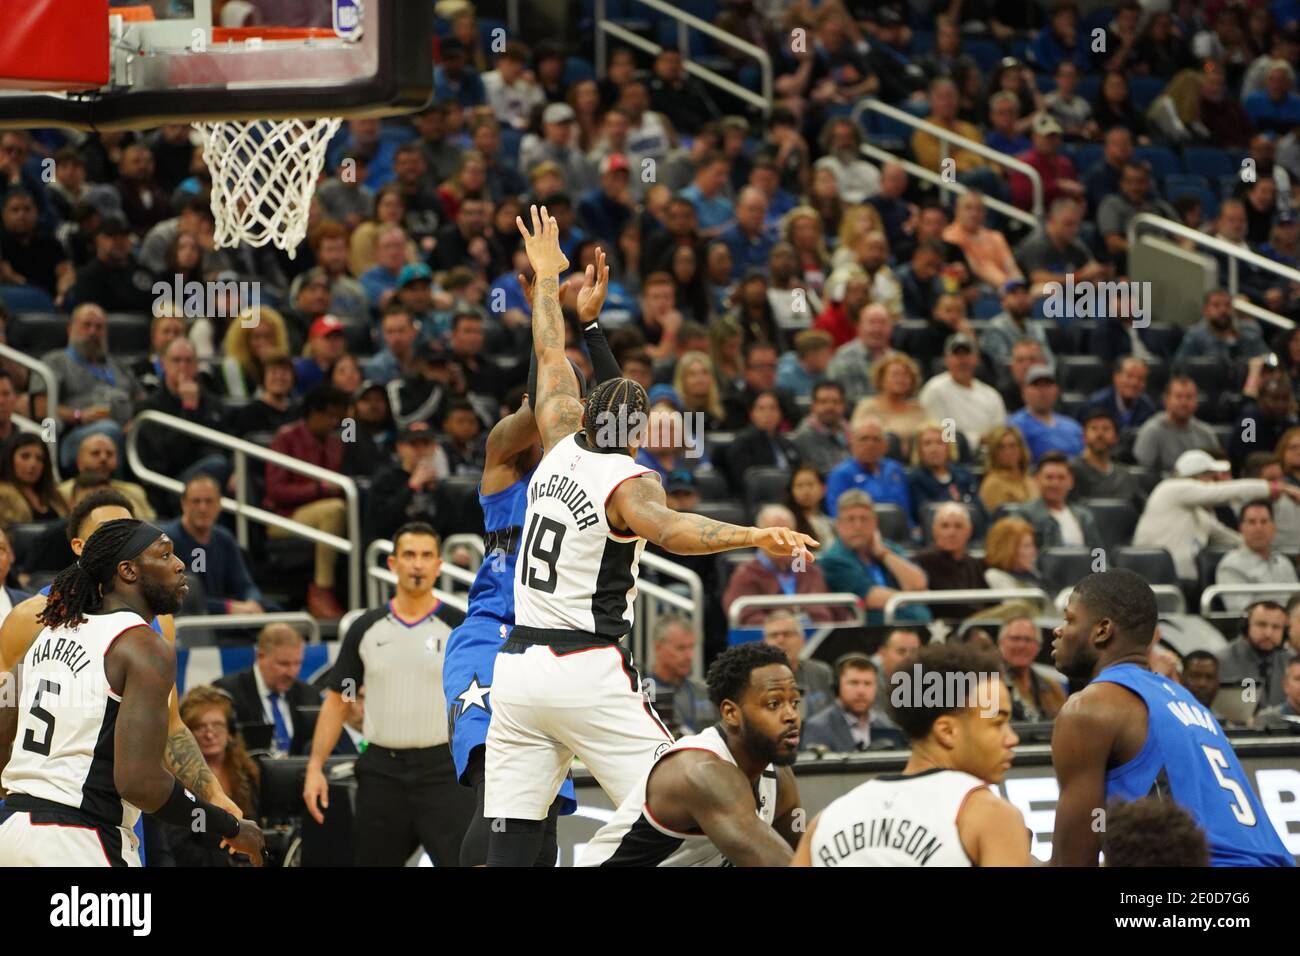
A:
407	792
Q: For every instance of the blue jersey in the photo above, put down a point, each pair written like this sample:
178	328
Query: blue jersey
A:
492	594
1187	756
45	592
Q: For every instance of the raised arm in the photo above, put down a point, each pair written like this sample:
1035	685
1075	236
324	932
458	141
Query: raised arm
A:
722	803
558	408
1081	743
640	504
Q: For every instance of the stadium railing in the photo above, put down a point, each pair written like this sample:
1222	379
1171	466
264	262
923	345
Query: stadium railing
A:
299	620
1169	598
986	596
685	21
1236	256
239	506
948	138
51	404
774	601
1219	590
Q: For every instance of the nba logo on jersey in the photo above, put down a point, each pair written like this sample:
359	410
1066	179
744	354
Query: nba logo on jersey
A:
347	19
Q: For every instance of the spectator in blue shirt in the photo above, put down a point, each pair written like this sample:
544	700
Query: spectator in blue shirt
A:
798	372
1044	429
707	193
1059	41
1004	114
765	175
380	281
606	210
454	79
211	553
1275	109
867	469
862	561
749	238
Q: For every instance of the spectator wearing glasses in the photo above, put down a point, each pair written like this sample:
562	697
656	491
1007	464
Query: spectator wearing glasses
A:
1034	695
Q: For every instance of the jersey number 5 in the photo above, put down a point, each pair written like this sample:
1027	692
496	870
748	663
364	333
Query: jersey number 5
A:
1241	808
535	547
40	713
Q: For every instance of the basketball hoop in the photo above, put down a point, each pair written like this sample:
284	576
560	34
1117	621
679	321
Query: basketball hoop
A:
264	174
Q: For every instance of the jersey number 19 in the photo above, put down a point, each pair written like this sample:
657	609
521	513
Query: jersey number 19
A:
536	546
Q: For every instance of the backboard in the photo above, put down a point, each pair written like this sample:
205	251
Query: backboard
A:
174	61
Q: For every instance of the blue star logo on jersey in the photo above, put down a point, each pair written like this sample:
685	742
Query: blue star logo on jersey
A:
475	695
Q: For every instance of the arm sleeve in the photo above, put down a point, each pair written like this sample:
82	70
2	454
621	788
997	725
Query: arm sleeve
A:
531	386
602	359
349	665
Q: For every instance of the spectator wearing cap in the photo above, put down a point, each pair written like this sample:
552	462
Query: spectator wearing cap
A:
1284	240
115	280
1254	561
554	145
1056	522
1118	209
1054	167
311	299
749	238
822	439
1095	473
454	78
1167	435
1126	399
606	210
798	371
760	444
1044	428
1179	515
1052	251
380	280
1012	324
862	561
868	469
985	250
1220	334
707	193
415	296
274	403
326	342
178	454
511	91
767	576
851	366
1276	108
850	724
684	100
410	489
956	394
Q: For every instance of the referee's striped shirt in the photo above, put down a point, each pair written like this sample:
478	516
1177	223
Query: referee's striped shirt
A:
399	663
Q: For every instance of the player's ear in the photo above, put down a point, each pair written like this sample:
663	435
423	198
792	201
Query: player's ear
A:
945	731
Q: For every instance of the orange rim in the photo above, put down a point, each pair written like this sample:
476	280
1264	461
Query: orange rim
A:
226	34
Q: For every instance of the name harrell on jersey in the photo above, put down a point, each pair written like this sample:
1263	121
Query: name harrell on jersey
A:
575	572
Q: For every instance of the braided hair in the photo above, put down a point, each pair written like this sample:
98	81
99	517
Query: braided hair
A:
617	409
79	588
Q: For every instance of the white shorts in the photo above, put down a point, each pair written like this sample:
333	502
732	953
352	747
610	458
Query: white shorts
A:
35	839
549	706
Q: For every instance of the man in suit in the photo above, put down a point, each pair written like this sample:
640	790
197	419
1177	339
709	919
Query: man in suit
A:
1126	398
1057	523
269	692
848	724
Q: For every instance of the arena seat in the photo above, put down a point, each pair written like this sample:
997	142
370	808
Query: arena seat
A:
1207	563
1081	373
1163	160
25	298
1064	567
893	522
730	511
1116	519
1154	564
128	332
764	485
711	485
1209	374
1143	90
1209	161
21	538
38	332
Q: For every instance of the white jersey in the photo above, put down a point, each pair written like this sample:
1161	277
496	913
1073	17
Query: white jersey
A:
634	838
575	572
63	748
896	820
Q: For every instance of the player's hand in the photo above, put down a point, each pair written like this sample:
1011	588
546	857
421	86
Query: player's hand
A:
543	243
249	842
316	794
591	298
785	543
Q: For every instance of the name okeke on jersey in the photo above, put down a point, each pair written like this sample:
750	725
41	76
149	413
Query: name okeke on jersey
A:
571	495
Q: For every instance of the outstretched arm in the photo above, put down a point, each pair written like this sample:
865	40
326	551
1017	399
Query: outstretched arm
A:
640	504
722	804
558	409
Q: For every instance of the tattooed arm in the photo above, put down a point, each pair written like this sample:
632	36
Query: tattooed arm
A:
557	407
640	504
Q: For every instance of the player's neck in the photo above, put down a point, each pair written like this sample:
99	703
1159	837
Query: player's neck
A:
925	758
127	602
414	605
752	767
1136	657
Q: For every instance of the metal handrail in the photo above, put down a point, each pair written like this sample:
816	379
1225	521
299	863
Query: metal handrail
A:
948	137
872	151
51	399
1218	590
773	601
243	511
967	596
762	101
243	622
647	616
375	575
1260	314
1234	253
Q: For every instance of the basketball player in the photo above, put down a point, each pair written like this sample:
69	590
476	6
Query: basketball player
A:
726	796
940	811
1132	733
93	714
182	756
590	509
513	451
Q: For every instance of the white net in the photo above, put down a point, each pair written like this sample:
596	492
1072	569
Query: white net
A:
264	173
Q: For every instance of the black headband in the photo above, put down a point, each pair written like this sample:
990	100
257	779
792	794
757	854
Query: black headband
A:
142	537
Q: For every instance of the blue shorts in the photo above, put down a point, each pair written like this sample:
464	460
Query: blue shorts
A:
467	684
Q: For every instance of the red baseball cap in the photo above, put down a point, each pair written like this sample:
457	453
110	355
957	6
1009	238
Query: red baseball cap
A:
613	162
326	325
